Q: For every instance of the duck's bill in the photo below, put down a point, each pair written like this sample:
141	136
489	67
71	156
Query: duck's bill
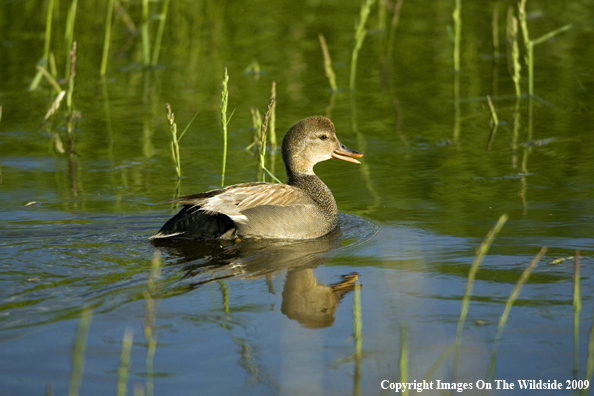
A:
346	154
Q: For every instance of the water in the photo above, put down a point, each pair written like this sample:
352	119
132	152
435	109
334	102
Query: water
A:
265	317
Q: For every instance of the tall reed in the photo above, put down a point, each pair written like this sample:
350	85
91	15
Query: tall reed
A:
69	34
159	37
457	17
577	307
531	43
478	259
508	306
46	47
146	46
224	120
174	140
360	33
328	63
107	37
512	38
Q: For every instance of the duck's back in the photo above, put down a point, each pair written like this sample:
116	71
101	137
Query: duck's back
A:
249	210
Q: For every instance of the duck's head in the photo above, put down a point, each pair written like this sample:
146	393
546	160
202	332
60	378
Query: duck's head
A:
313	140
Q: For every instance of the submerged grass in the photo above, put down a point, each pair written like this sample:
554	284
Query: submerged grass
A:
577	307
404	356
150	320
121	387
78	352
508	306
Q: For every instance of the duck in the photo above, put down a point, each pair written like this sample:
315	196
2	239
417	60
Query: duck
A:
304	208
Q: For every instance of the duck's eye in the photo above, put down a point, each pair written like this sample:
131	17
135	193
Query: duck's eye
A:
323	137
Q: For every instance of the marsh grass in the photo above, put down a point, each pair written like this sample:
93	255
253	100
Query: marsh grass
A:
495	121
150	320
107	37
512	39
146	46
46	47
457	17
404	356
393	26
160	29
175	139
121	387
69	34
360	33
358	337
262	140
508	306
478	259
590	358
531	43
78	352
224	121
328	63
577	307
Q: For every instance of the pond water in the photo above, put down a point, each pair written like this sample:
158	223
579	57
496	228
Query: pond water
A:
277	317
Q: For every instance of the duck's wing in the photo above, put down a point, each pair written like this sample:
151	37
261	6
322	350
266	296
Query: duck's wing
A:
233	200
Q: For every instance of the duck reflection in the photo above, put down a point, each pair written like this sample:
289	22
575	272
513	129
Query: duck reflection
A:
305	300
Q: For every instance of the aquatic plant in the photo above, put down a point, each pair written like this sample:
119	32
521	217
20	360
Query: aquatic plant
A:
457	17
106	37
328	63
508	306
124	362
478	259
360	33
78	352
224	121
159	37
531	43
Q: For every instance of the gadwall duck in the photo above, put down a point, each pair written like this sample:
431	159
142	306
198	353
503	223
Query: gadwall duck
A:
301	209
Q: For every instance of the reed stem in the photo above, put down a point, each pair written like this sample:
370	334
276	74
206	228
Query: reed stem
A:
161	28
577	307
146	47
46	47
107	37
478	259
328	63
404	356
508	306
360	33
457	17
224	102
69	34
